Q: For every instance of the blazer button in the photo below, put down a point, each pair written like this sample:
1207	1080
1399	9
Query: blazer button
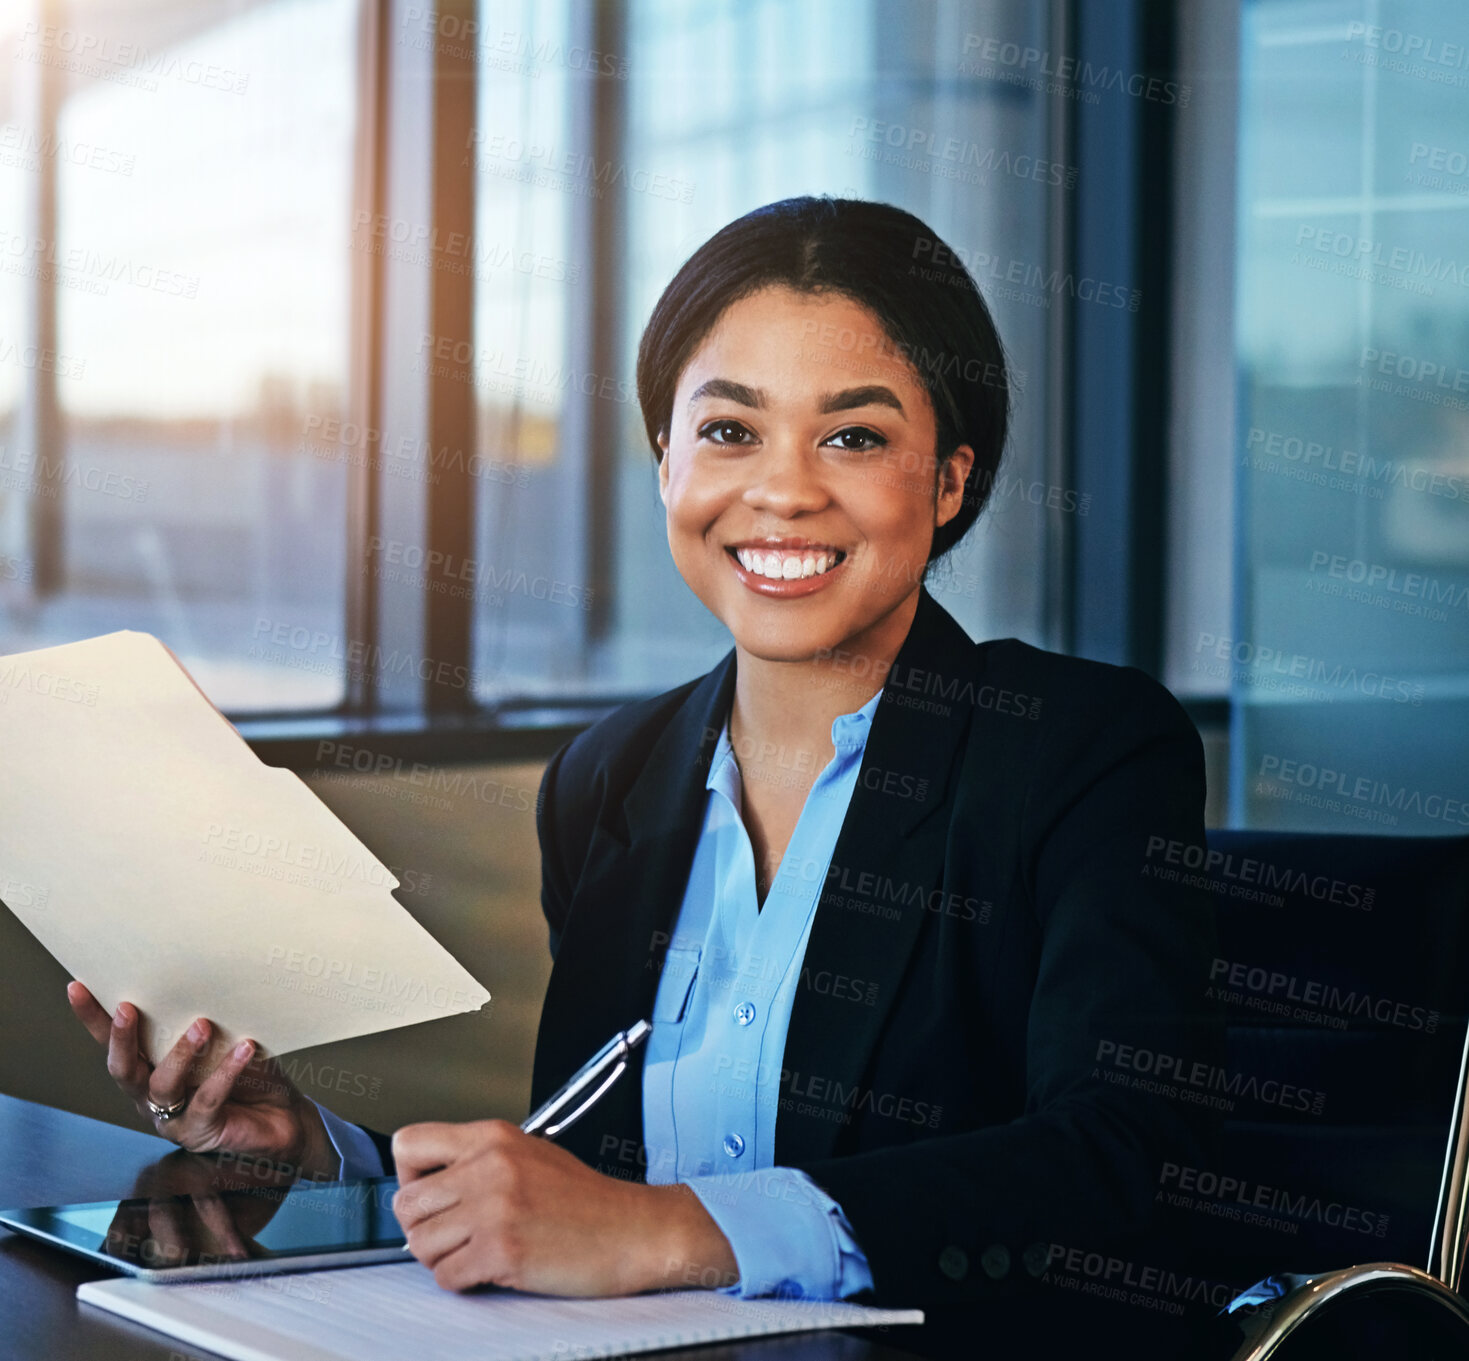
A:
1036	1258
996	1261
954	1263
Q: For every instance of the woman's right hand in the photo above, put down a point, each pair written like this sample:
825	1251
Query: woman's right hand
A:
247	1105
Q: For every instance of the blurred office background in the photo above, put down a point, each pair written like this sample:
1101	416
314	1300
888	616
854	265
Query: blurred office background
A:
317	324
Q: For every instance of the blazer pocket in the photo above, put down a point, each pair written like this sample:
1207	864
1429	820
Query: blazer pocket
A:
680	968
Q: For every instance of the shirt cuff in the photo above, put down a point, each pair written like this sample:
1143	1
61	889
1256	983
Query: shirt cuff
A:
788	1236
353	1144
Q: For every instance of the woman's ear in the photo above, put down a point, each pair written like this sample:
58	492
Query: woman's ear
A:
953	474
663	466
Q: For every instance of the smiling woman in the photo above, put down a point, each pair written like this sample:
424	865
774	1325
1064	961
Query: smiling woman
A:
883	892
810	469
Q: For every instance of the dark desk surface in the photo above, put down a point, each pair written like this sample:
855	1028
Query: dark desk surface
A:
51	1157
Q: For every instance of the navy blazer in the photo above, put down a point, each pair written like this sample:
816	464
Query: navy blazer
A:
989	939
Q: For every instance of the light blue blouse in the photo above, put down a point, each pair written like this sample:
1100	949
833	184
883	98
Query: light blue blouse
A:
711	1073
711	1076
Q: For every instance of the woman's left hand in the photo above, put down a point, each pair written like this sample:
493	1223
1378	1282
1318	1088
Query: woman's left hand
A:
484	1202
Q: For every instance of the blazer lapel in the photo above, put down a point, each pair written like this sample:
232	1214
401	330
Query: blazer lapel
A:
890	851
611	953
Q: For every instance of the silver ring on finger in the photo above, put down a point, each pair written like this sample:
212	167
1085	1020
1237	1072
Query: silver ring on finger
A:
163	1114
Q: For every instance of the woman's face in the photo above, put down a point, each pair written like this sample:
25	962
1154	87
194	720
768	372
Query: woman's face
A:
799	475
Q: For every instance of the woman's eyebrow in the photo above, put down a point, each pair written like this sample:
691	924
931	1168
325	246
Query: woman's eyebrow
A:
730	391
873	394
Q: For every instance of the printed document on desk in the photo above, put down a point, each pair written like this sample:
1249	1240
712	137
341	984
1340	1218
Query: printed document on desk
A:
389	1313
161	862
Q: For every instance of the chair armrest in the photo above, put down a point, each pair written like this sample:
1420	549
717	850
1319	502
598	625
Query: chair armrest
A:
1282	1303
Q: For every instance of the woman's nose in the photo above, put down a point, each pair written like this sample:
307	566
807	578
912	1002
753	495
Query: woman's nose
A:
785	482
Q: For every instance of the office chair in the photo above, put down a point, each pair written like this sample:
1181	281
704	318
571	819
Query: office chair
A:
1343	968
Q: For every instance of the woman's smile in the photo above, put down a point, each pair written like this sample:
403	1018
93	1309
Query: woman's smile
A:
783	569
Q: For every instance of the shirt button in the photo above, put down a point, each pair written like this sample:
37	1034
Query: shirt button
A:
745	1013
733	1145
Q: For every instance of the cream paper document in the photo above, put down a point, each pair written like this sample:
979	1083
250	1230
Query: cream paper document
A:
162	863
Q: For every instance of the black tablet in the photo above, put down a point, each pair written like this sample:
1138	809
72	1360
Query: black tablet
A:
248	1231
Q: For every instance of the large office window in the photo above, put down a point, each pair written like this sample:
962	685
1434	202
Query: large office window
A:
1348	663
175	212
248	274
703	113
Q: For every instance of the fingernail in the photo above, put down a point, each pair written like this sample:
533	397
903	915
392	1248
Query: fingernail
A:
242	1050
125	1013
196	1033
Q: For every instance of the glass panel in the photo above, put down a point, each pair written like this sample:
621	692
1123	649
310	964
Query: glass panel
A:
529	169
1350	658
730	106
203	191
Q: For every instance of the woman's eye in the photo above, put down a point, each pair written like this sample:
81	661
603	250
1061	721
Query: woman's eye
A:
868	439
708	432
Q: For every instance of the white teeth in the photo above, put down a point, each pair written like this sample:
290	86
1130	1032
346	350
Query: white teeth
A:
776	567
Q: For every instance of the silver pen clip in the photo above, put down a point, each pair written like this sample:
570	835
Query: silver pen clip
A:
549	1121
551	1131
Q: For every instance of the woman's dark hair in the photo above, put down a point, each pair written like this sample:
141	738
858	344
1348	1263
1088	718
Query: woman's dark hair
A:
886	260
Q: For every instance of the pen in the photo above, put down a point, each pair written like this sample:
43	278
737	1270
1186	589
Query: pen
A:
605	1066
549	1120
